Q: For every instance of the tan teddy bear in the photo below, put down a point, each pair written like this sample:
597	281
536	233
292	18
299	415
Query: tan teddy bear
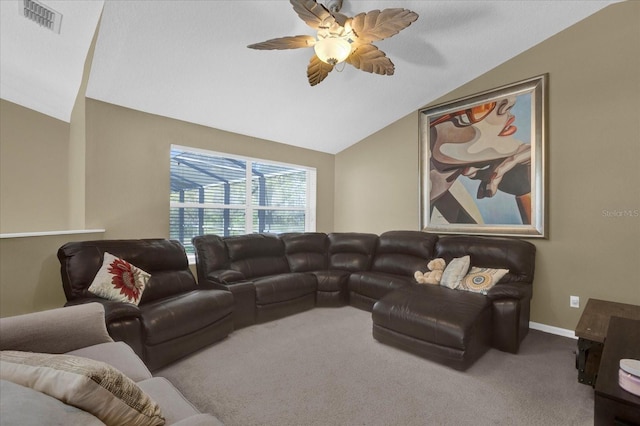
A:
434	275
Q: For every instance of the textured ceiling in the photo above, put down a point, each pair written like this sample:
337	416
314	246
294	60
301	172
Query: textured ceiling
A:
40	69
188	60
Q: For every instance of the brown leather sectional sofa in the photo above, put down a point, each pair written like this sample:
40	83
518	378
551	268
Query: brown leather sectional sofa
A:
248	279
274	276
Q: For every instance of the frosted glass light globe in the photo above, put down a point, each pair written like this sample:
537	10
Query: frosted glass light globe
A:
332	50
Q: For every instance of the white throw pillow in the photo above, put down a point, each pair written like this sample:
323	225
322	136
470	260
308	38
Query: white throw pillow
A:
455	272
480	280
93	386
119	280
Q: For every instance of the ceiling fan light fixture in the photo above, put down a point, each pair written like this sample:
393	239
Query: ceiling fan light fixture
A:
342	39
332	50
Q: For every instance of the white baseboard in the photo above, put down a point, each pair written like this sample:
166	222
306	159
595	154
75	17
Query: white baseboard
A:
553	330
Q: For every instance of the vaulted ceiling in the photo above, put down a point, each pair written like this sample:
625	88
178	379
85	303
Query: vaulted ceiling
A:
188	60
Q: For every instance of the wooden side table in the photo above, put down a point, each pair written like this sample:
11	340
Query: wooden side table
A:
614	405
592	332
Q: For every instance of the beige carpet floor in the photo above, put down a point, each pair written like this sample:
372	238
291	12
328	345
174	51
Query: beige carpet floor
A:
323	367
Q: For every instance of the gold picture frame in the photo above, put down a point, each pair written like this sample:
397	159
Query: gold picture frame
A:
482	162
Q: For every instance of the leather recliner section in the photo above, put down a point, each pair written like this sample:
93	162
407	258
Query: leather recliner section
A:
175	316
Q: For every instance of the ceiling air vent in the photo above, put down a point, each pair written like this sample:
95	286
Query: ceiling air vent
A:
41	15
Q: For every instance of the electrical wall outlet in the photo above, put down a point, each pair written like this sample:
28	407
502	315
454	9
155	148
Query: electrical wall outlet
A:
574	301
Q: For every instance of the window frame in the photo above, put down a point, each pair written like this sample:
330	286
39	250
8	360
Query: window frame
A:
248	206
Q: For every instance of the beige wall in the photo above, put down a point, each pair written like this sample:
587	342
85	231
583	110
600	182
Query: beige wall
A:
34	159
127	185
593	165
377	181
30	273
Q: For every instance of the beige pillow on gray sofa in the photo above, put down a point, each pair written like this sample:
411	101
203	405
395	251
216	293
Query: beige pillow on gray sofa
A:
90	385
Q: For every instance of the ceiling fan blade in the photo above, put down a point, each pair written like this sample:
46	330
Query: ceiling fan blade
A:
291	42
340	18
377	25
314	14
369	58
317	70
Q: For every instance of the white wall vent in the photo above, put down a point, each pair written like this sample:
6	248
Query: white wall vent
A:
41	15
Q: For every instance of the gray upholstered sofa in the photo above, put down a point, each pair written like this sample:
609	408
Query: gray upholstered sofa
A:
80	331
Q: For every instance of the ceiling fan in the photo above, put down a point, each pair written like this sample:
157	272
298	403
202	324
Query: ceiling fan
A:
341	38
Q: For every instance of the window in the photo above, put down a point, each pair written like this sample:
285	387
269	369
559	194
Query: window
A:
213	193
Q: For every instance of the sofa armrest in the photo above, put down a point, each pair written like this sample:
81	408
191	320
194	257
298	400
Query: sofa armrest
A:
123	321
244	300
225	276
233	287
511	310
113	310
55	331
509	291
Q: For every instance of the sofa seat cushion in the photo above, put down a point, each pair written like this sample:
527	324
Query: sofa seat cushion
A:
333	280
175	406
434	314
180	315
376	285
283	287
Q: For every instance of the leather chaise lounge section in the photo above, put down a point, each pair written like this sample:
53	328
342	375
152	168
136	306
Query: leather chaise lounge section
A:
175	316
274	276
511	297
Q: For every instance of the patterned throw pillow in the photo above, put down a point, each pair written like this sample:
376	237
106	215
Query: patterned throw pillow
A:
93	386
480	280
119	280
455	272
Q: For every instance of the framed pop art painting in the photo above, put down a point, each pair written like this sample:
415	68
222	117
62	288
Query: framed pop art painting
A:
482	162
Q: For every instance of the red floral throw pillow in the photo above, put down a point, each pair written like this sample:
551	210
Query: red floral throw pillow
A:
119	280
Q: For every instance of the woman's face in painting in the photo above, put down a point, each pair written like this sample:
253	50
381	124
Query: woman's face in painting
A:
478	134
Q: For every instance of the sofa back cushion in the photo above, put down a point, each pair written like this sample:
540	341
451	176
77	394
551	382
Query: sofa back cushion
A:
306	251
211	255
256	255
165	260
351	251
518	256
404	252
